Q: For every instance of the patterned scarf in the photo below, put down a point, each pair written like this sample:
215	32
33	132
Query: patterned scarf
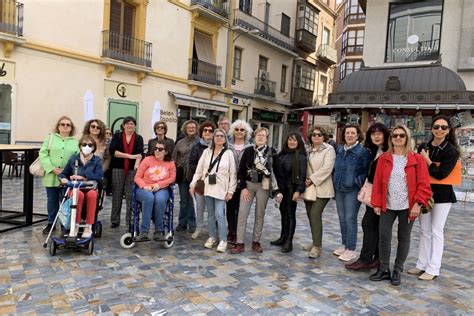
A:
128	149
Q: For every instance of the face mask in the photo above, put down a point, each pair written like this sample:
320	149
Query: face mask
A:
86	150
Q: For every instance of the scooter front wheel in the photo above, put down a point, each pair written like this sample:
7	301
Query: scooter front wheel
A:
52	248
126	241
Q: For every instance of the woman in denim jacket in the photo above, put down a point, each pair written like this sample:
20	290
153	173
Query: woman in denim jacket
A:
350	171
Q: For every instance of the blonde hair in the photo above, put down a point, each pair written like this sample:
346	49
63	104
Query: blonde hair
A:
258	130
408	145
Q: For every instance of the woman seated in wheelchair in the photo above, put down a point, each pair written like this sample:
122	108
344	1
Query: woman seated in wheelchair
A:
154	175
89	168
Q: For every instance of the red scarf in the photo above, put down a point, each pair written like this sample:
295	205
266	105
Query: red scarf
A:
128	149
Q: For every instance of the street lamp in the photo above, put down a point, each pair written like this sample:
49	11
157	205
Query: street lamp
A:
252	31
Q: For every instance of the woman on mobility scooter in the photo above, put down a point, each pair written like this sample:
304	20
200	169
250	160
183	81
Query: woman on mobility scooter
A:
89	168
154	175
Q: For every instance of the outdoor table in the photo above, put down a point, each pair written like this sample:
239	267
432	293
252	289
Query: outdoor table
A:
15	218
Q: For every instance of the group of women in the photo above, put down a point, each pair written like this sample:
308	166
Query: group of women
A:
217	169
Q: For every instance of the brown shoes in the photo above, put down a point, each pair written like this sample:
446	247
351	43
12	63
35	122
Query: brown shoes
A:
257	247
238	248
360	265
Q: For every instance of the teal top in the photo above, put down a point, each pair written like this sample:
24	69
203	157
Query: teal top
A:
57	157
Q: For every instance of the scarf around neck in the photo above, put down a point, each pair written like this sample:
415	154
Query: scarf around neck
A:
128	149
260	161
347	148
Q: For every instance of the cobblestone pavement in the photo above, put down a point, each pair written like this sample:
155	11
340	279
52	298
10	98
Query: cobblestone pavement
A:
188	278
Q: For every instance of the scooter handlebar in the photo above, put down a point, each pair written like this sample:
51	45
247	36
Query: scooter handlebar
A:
80	184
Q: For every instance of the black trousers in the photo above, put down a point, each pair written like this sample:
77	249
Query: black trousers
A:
385	233
370	243
288	215
232	212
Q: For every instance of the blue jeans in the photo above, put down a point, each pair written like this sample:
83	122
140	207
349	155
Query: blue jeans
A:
347	209
186	207
53	195
153	201
216	211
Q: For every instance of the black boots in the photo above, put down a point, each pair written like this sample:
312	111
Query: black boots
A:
380	275
287	246
280	241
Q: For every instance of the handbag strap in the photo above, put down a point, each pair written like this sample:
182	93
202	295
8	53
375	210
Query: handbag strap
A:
50	142
217	160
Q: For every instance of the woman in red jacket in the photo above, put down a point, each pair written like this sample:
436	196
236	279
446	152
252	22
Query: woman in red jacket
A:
401	187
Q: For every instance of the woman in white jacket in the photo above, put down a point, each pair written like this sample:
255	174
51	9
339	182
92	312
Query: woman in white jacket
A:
319	186
217	169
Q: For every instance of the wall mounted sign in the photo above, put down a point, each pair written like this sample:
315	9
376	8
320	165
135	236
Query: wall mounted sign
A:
7	71
122	90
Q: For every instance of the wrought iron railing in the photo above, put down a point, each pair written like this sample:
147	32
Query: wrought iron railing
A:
265	87
126	48
205	72
11	17
217	6
267	32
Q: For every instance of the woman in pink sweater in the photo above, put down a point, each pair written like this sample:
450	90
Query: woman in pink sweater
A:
154	175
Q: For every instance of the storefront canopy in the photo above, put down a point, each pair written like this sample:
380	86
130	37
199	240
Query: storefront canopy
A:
187	100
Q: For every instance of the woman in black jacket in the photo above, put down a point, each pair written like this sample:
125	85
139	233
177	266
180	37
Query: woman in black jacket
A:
441	154
291	183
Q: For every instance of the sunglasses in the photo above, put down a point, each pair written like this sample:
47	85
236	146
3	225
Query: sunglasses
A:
219	136
87	145
239	129
207	130
95	126
108	133
160	127
317	135
402	135
160	149
443	127
65	124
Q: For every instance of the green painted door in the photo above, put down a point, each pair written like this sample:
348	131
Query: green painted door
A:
118	110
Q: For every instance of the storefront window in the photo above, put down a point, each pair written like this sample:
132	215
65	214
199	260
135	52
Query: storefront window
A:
414	31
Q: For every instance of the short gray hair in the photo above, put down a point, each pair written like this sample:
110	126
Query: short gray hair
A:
245	125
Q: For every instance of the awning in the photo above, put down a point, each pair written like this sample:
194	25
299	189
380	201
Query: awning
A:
389	106
199	103
203	44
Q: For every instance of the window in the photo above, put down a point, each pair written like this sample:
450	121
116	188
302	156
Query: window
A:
237	62
342	71
283	78
349	67
304	77
203	47
414	31
326	34
262	63
308	19
353	42
245	6
285	24
121	25
323	82
353	12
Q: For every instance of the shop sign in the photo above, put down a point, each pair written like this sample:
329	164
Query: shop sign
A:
292	118
7	71
269	116
168	116
122	90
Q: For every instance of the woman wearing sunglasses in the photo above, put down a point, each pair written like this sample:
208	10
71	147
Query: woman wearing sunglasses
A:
401	187
154	175
206	130
97	130
55	152
239	139
89	168
441	154
160	128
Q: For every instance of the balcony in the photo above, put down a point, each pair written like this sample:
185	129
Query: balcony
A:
265	87
204	72
214	9
327	54
302	96
306	41
354	18
128	49
267	32
11	17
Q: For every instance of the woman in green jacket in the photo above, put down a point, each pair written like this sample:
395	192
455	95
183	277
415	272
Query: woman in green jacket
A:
55	152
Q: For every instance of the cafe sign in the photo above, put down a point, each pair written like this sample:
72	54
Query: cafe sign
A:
269	116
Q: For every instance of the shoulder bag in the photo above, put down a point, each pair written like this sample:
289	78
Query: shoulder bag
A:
365	194
310	193
36	169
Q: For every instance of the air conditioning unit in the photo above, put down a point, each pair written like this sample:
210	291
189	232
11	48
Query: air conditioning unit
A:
263	75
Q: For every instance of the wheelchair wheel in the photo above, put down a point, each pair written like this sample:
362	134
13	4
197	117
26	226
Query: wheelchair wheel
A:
98	230
169	240
52	248
90	248
126	241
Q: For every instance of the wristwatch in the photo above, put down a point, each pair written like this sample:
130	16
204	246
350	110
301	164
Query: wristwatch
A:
420	204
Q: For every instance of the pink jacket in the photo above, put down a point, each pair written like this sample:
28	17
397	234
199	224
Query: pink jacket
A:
152	171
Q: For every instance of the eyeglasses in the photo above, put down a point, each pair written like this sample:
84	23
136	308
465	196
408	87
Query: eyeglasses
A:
87	145
130	124
108	133
239	129
160	127
65	124
443	127
219	136
207	130
95	126
317	135
402	135
160	149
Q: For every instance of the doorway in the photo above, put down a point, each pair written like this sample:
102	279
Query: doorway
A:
5	113
118	110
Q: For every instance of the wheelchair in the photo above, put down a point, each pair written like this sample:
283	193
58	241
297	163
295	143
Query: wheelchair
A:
129	239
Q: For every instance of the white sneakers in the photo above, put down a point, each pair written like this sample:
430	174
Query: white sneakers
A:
348	255
340	250
196	233
87	231
211	242
222	247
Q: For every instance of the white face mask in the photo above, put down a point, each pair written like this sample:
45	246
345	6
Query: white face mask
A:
86	150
